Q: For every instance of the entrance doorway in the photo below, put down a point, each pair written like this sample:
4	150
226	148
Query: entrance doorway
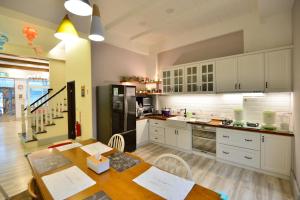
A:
71	109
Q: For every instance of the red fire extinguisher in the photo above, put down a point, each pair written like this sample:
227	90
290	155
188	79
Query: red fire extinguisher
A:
78	129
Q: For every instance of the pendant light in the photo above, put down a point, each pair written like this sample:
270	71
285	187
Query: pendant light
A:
79	7
66	30
96	32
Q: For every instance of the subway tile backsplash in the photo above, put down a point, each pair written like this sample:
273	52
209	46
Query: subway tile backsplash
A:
222	105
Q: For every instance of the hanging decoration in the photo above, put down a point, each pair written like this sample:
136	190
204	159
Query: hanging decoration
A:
3	40
30	34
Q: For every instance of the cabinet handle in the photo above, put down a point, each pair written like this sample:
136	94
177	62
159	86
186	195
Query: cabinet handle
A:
247	157
235	86
225	136
266	84
225	152
247	140
263	138
156	138
239	86
155	131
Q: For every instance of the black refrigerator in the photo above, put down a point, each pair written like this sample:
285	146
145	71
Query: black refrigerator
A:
116	113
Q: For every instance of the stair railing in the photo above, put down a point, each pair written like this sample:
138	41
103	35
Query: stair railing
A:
39	99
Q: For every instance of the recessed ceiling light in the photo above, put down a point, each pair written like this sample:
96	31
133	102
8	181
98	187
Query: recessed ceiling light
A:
170	10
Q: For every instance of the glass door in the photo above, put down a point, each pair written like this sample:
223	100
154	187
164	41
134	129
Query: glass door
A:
192	78
207	77
167	81
178	80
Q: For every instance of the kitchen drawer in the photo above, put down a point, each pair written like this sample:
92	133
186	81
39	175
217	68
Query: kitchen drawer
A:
244	139
159	123
157	130
157	138
239	155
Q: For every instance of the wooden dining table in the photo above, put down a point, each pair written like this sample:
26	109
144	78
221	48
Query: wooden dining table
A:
116	185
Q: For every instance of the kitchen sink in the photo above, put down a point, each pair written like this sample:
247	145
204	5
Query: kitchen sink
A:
192	119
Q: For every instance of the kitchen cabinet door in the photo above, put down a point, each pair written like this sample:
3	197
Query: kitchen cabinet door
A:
192	78
171	136
184	139
178	80
278	71
251	73
207	77
166	81
226	75
276	154
142	132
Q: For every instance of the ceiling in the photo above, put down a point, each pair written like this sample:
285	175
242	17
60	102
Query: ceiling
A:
149	22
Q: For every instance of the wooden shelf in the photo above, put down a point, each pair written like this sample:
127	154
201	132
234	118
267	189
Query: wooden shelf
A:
154	82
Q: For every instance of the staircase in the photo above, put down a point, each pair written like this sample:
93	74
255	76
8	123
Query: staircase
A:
45	121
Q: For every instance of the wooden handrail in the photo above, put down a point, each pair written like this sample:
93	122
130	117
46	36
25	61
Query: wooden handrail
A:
49	99
49	90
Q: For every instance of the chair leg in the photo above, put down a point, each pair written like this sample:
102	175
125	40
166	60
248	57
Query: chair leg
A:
31	190
2	191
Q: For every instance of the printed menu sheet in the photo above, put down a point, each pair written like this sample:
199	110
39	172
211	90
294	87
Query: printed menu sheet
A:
164	184
96	148
68	146
66	183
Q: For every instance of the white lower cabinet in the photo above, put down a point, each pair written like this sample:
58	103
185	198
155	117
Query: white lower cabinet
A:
142	132
184	139
180	138
276	153
171	136
239	155
266	152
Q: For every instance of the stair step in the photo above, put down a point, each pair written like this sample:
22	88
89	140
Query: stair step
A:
41	132
23	137
58	117
53	124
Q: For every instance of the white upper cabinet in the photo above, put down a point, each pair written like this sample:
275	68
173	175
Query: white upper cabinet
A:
251	73
192	78
178	80
166	81
207	77
263	71
226	75
278	71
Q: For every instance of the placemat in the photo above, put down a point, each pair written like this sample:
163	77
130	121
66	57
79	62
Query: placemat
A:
98	196
121	161
50	162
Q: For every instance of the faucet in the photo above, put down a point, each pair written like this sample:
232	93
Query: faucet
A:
184	114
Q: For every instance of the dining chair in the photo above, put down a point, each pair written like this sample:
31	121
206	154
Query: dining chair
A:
174	165
117	142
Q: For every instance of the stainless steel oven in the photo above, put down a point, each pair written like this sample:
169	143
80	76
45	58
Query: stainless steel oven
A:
204	139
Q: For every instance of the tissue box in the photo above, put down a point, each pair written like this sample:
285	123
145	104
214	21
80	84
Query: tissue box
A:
98	166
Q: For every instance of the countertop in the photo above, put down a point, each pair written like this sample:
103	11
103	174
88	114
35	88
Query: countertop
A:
217	123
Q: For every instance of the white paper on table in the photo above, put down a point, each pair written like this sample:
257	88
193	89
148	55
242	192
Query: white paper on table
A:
164	184
66	183
96	148
68	146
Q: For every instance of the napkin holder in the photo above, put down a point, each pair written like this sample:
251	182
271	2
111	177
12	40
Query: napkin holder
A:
98	165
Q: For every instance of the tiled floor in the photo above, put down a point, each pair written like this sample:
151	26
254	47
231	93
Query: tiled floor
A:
238	183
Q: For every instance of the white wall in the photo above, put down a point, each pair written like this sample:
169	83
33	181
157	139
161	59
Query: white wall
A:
20	89
222	105
259	33
78	68
296	80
